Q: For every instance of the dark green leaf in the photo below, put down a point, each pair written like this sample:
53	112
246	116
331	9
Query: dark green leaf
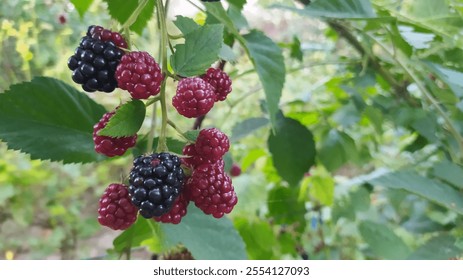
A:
269	63
133	236
237	3
200	50
340	9
337	149
218	12
441	247
49	119
292	149
82	6
186	25
296	51
121	10
384	243
246	127
437	192
126	121
205	237
449	172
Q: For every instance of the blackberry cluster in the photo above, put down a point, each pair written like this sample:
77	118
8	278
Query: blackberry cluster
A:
94	63
115	210
111	146
155	183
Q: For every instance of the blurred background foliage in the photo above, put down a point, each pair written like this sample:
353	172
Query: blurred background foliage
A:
378	83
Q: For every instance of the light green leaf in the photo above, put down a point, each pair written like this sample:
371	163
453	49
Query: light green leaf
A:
441	247
205	237
200	50
134	235
269	63
321	186
340	9
186	25
216	10
292	149
6	192
49	119
126	121
121	10
82	6
449	172
451	77
437	192
258	236
226	53
384	243
246	127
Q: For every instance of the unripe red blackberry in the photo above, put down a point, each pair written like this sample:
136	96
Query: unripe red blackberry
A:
155	183
220	81
139	74
211	190
115	209
235	170
194	97
178	211
111	146
105	35
212	144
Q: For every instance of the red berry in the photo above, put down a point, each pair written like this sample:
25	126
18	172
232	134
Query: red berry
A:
212	144
176	213
100	33
111	146
194	97
139	74
211	190
62	19
220	81
235	170
115	209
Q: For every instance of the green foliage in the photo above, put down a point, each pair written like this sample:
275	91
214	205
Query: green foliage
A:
121	11
82	6
126	121
48	119
200	50
340	9
247	127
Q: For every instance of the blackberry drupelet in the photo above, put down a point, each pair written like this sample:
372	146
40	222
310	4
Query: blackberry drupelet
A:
155	183
94	63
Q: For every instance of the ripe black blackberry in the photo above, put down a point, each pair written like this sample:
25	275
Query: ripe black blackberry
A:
155	183
94	63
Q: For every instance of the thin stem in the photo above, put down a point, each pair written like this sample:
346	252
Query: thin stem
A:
172	124
149	146
162	145
152	101
133	17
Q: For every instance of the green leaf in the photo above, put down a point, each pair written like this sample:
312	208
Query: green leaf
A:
292	149
133	236
121	10
337	149
269	63
237	3
174	146
246	127
347	115
192	135
186	25
449	172
451	77
218	12
441	247
339	9
239	20
49	119
321	186
6	192
200	50
285	207
81	6
384	243
226	53
258	236
296	51
437	192
205	237
126	121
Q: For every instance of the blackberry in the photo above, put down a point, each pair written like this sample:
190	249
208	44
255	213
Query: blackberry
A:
211	190
178	211
155	183
212	144
194	97
220	81
139	74
115	210
111	146
235	170
94	63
